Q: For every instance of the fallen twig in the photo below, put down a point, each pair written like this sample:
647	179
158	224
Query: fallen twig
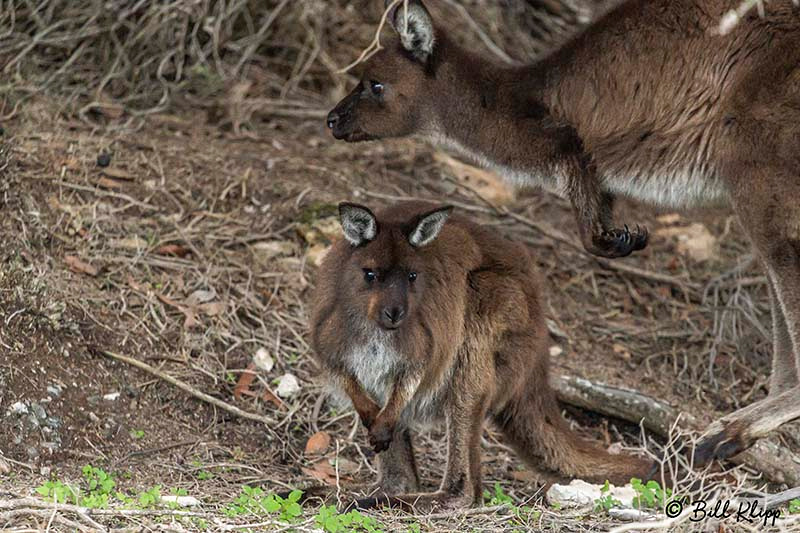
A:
188	388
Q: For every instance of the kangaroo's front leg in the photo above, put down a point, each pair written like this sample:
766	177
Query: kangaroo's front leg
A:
382	430
365	406
461	485
593	211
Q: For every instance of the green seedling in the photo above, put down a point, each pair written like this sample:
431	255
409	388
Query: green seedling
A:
329	519
498	498
606	501
649	495
253	500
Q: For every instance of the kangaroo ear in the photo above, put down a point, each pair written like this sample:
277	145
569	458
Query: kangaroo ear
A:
428	226
358	223
414	24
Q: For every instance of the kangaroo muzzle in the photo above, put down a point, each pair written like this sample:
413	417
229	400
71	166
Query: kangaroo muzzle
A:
341	120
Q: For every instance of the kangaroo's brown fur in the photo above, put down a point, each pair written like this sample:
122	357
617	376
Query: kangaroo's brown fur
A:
470	344
651	102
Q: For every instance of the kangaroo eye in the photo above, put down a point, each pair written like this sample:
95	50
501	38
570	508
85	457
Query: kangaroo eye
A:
369	275
412	276
376	87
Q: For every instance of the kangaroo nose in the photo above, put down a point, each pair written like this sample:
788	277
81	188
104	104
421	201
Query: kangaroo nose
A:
394	314
333	118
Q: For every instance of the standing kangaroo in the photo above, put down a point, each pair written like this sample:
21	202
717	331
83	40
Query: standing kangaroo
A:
421	316
650	102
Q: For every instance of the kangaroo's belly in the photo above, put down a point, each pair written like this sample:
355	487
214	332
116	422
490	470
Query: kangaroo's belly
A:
668	187
671	168
377	366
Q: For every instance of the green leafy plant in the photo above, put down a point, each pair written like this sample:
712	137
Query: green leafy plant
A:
649	495
150	497
606	501
329	519
137	433
794	506
99	488
253	500
55	490
498	498
204	475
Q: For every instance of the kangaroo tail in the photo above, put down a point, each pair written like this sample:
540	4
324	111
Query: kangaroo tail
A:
533	425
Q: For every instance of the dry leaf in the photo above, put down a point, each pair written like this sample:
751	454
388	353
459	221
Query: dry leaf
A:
79	266
191	320
318	443
112	111
200	296
270	397
486	183
212	308
621	351
71	163
109	184
178	250
324	471
118	174
694	241
245	380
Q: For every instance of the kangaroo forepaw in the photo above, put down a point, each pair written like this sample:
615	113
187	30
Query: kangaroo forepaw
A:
380	436
619	242
720	446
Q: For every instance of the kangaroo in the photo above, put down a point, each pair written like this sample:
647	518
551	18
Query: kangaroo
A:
418	316
650	101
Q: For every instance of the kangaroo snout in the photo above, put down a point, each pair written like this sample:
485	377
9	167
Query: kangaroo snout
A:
392	317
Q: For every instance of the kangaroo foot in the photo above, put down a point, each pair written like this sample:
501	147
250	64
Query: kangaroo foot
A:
720	445
617	242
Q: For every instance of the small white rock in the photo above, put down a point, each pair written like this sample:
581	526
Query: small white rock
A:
288	386
18	408
183	501
556	350
111	396
580	493
263	360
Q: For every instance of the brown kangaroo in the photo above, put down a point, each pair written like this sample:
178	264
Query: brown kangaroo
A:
651	102
421	316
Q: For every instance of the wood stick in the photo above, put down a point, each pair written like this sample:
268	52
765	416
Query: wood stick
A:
188	388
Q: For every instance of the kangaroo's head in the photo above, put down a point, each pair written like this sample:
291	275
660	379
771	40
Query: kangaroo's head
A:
384	276
397	83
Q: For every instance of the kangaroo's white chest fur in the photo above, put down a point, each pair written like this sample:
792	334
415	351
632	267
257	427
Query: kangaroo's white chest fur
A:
376	364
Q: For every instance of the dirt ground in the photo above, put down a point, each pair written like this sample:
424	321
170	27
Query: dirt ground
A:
197	246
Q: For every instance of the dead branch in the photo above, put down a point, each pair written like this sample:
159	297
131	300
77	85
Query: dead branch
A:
191	390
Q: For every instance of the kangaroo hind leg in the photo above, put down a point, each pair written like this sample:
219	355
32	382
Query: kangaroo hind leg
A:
766	201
